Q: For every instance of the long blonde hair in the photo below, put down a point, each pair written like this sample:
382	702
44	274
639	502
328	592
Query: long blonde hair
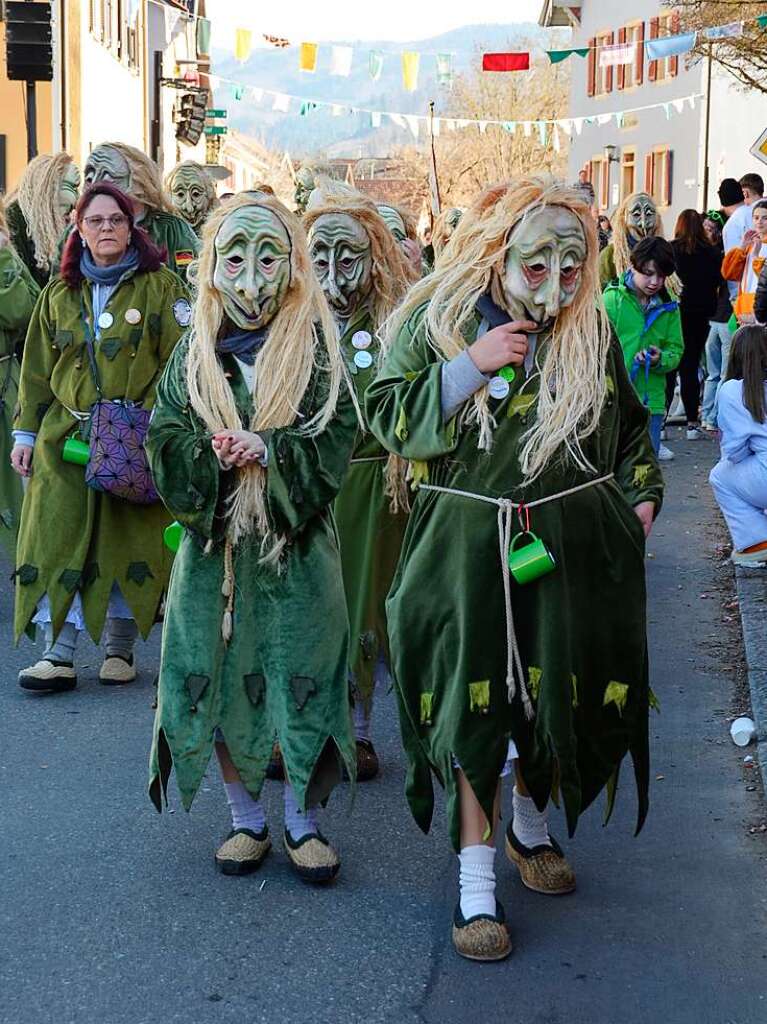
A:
146	182
391	276
573	374
302	341
620	239
38	197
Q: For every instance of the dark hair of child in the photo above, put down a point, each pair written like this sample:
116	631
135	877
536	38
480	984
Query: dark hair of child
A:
653	250
748	362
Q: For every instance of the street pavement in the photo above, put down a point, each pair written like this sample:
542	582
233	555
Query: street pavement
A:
111	913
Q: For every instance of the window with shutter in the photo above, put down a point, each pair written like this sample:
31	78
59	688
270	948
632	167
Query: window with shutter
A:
609	40
652	68
621	67
639	56
667	182
673	63
648	169
591	71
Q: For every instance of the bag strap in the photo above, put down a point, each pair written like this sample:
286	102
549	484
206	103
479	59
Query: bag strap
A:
90	347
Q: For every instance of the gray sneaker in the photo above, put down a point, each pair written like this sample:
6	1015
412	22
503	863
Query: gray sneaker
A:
665	454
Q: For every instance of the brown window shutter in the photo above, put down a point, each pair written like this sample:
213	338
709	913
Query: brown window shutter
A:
652	68
609	40
591	71
639	56
648	182
621	67
667	182
673	64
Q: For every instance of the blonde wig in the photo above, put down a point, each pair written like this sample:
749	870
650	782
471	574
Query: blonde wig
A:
444	228
146	183
210	187
302	341
574	354
620	239
391	276
38	198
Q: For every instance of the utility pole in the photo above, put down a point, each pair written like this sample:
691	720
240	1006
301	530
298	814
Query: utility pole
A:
706	131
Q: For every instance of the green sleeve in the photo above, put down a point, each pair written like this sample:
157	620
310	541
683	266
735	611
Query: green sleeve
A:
673	344
18	292
40	358
180	238
607	271
170	331
304	473
636	467
185	470
403	405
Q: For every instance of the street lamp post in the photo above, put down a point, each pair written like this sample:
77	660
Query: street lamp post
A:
611	155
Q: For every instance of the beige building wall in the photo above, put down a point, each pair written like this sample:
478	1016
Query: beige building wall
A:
13	123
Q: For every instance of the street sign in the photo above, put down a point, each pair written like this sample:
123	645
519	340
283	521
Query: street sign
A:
215	113
215	129
759	148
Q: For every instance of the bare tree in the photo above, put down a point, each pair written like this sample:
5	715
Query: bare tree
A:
744	56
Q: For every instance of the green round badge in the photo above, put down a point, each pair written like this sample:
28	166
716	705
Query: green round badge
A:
508	373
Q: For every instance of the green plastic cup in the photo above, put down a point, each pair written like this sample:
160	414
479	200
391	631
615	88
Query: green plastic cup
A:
531	560
76	451
172	536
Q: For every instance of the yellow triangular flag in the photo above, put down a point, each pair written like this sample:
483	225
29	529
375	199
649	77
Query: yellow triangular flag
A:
410	60
307	57
243	43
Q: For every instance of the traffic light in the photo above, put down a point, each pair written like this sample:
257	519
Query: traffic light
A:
29	53
190	116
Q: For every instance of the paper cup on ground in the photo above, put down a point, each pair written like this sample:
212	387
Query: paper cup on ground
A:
743	731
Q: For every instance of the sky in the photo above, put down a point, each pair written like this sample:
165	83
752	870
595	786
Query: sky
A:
349	20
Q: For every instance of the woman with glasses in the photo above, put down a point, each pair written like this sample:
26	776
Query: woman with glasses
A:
102	331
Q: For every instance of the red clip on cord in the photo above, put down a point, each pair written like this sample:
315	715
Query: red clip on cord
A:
523	512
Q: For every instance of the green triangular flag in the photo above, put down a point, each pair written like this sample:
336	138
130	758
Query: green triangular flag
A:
556	56
203	35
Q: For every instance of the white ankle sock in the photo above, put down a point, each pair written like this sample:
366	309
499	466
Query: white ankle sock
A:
63	647
476	880
530	825
298	824
361	721
246	812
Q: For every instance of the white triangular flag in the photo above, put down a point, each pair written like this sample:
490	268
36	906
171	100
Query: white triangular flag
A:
341	60
281	102
399	120
463	122
213	82
435	128
578	122
604	118
678	105
542	132
555	139
691	101
566	126
528	129
450	123
336	109
258	93
412	123
375	118
482	127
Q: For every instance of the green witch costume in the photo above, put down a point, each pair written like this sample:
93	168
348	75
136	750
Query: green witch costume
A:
18	294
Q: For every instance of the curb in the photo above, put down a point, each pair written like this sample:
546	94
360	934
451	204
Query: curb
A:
752	598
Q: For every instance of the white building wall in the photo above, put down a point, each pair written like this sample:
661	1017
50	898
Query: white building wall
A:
738	117
112	98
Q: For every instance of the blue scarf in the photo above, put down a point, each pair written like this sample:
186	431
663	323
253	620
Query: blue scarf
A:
491	312
655	304
109	276
243	345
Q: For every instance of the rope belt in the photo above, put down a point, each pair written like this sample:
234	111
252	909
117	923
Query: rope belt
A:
82	416
371	458
506	509
3	358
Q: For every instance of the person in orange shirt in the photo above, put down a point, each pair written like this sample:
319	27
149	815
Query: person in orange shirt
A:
744	264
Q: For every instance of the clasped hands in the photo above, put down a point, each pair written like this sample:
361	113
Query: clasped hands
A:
238	448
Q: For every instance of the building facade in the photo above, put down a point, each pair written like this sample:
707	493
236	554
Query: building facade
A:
661	150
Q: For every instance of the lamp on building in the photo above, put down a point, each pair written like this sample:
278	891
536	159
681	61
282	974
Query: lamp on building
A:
611	156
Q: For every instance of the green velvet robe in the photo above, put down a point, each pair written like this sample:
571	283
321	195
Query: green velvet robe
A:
23	244
73	538
371	536
18	294
581	629
285	669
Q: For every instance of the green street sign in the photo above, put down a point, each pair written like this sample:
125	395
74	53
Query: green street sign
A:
215	113
214	129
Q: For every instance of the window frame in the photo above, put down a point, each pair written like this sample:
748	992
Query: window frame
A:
627	151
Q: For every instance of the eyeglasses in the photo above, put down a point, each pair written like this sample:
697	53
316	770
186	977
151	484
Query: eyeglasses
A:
117	220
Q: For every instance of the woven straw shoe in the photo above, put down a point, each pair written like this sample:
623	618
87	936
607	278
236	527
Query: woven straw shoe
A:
115	671
243	851
48	677
482	937
542	868
312	858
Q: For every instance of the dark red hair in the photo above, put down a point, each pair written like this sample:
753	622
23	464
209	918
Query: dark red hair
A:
150	257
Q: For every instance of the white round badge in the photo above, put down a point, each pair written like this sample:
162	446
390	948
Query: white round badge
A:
361	340
498	387
182	312
363	360
132	316
105	320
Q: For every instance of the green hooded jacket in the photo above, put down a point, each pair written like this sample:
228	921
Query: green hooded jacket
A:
637	329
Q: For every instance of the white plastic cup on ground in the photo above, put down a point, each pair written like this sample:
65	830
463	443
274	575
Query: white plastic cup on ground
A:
743	731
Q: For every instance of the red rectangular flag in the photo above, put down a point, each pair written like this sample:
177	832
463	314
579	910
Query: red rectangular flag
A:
506	62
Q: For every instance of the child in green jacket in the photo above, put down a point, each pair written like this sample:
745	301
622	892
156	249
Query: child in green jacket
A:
646	319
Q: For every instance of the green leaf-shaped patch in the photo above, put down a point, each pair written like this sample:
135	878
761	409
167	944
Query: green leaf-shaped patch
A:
139	573
411	375
26	574
534	681
479	695
519	405
654	702
419	473
42	409
90	573
255	687
135	336
63	339
110	347
196	686
610	385
155	324
427	705
70	580
617	694
401	431
302	688
574	687
640	475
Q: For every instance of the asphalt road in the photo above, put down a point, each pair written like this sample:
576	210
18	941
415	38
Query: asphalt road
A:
110	913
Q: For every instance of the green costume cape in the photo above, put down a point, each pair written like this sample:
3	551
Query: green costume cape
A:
73	538
23	244
285	669
607	271
581	629
371	536
18	294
